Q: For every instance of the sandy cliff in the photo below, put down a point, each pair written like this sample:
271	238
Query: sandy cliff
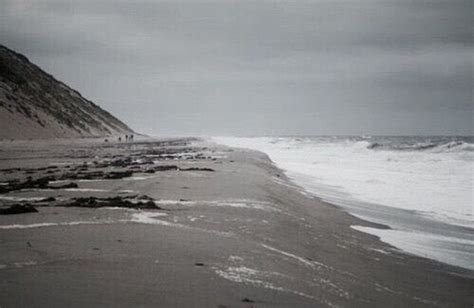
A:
33	104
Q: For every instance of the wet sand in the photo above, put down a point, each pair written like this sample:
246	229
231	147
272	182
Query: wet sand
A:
229	230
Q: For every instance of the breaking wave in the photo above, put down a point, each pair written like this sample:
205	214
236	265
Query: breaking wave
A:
432	146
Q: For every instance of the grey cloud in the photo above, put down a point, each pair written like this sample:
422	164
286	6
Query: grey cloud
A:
296	67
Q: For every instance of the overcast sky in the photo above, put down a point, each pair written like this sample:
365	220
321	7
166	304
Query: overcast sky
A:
227	67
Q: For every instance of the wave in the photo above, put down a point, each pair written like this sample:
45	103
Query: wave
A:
449	146
431	175
456	146
419	186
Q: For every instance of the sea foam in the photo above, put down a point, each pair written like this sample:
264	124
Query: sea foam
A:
422	187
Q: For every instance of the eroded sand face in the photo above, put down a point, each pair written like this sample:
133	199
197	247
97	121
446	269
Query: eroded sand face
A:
222	228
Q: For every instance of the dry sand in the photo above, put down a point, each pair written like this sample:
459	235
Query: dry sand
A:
242	235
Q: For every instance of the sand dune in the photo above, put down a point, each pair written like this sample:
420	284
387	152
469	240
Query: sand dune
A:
34	105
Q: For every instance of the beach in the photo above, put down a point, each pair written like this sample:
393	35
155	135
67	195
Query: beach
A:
420	187
190	223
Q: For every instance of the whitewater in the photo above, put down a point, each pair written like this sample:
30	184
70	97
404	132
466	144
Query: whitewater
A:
421	187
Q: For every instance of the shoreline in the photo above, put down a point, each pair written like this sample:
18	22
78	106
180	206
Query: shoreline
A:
241	235
409	230
417	232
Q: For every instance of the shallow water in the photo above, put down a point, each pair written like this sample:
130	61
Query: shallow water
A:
422	187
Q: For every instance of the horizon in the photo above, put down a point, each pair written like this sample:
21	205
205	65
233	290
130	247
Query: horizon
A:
299	136
237	153
257	68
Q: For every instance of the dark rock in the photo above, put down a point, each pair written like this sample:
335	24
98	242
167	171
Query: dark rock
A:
83	175
18	209
69	185
150	205
121	162
10	170
50	199
94	202
41	183
113	175
197	169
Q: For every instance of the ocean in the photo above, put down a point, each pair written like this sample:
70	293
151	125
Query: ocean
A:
421	187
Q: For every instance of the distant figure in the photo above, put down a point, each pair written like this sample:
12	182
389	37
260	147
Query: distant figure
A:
120	139
131	138
126	138
106	140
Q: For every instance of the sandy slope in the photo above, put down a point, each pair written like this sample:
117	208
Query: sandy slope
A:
33	104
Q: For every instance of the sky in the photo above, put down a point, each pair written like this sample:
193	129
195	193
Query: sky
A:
251	68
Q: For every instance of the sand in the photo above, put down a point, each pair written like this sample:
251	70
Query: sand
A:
232	231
